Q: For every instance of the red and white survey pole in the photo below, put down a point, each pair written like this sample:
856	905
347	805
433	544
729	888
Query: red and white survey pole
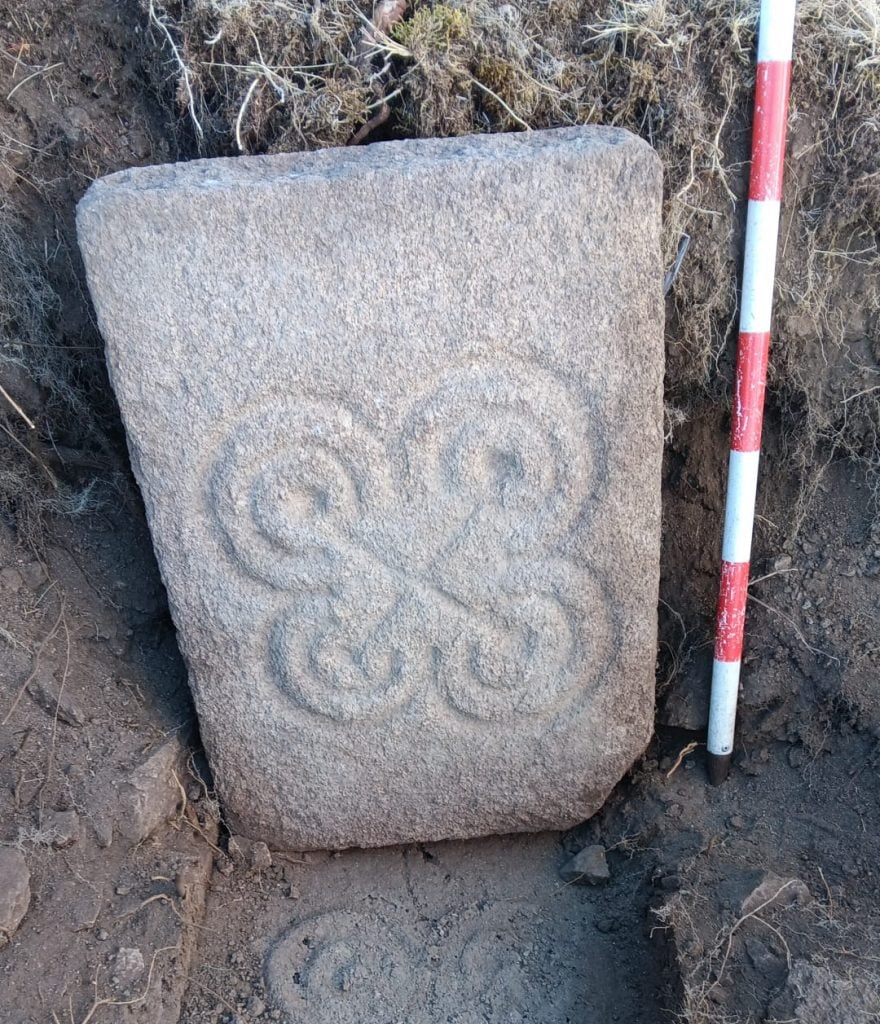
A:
775	32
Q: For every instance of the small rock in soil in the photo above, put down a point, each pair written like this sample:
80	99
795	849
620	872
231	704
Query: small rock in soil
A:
33	574
151	793
761	955
776	892
797	757
261	859
53	700
14	665
103	828
15	891
239	849
63	826
588	867
255	1007
128	965
10	579
254	854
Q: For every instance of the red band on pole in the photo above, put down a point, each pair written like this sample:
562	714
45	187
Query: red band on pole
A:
748	395
768	133
732	598
775	34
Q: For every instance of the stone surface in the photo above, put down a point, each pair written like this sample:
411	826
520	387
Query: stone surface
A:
127	965
587	867
54	701
141	800
10	579
774	891
815	994
396	416
15	891
150	795
63	827
448	933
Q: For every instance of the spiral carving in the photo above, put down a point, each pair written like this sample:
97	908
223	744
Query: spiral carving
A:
436	558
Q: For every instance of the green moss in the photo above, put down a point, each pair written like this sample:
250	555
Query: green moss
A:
433	28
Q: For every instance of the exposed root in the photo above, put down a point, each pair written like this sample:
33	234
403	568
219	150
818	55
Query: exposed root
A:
42	397
100	1002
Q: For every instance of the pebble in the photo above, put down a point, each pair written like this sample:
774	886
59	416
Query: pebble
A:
56	702
248	851
128	964
10	579
255	1006
63	827
669	883
32	574
775	891
150	795
261	858
103	829
589	867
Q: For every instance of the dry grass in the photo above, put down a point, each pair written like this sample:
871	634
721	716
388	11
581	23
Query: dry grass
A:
275	75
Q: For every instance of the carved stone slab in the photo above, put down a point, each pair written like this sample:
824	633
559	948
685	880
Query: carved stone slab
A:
396	416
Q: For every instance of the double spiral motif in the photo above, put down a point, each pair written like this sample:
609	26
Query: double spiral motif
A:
436	559
479	962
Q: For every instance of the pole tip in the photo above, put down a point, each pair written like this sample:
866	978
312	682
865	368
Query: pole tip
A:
719	766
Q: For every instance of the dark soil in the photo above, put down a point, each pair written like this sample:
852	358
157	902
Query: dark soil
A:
488	931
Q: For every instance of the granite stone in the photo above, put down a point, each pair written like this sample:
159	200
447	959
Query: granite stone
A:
396	415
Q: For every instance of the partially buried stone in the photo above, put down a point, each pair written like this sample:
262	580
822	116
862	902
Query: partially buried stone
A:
261	858
588	867
142	799
15	891
10	579
396	413
151	793
63	827
55	701
128	965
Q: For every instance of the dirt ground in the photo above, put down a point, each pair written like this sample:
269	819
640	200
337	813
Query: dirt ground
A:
758	901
